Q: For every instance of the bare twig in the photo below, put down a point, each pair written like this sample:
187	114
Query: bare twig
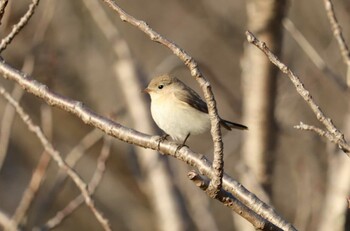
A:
327	122
94	182
218	162
312	53
227	199
137	138
56	156
3	4
71	159
18	27
337	32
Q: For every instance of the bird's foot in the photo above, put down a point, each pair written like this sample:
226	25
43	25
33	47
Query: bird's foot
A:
183	143
161	139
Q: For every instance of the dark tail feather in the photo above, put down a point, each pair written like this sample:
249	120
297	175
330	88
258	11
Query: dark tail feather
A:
229	125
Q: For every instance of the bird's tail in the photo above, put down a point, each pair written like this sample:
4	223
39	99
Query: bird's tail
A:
229	125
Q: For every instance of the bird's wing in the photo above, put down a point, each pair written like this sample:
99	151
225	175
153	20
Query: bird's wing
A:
190	97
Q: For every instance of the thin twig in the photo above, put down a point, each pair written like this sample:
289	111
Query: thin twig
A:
218	162
57	157
318	131
18	27
3	4
337	32
71	159
327	122
140	139
227	199
94	182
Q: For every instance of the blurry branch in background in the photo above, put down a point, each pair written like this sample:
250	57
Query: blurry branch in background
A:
259	92
17	28
337	136
313	54
71	159
9	112
3	4
57	157
39	172
7	223
155	169
28	67
133	137
259	84
94	182
218	162
338	34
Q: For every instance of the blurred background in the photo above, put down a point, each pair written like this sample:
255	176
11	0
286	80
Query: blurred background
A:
67	46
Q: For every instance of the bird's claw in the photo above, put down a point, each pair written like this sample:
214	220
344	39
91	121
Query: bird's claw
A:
161	139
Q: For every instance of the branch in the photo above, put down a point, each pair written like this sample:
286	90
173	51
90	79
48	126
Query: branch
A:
18	27
57	157
94	182
137	138
337	32
327	122
3	4
227	199
218	161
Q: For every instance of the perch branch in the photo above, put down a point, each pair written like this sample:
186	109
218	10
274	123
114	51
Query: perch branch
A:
228	200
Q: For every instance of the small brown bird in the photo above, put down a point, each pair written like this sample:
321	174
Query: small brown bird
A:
178	110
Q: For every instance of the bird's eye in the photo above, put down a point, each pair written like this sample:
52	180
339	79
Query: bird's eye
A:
160	86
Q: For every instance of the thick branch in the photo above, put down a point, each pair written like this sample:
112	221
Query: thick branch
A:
227	199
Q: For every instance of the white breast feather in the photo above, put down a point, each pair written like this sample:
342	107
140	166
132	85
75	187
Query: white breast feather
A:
177	119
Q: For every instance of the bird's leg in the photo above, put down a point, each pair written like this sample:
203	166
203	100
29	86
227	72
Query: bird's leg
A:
161	139
183	143
188	135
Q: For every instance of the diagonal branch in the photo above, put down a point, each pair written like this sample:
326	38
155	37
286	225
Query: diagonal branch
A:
218	161
3	4
227	199
94	182
18	27
56	156
337	32
137	138
327	122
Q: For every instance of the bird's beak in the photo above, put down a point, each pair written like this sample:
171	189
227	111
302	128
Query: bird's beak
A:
147	90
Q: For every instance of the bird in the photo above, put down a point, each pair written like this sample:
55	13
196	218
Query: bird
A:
179	111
